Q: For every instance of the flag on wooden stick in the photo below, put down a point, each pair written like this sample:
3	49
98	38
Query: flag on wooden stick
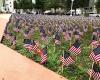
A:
66	59
95	54
96	72
44	55
75	48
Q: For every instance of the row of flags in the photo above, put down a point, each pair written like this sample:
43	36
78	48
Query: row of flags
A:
96	72
33	47
9	36
66	59
95	55
75	48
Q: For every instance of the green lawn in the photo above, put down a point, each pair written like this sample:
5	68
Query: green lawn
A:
76	71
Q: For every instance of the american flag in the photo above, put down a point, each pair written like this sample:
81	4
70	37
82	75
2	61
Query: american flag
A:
75	48
29	47
44	55
36	48
26	33
27	44
94	41
89	72
95	32
49	31
77	35
15	29
66	36
42	31
57	39
96	72
6	33
95	54
66	59
44	37
13	39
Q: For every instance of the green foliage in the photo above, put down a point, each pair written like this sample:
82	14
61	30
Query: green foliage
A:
40	4
77	4
98	6
76	71
23	4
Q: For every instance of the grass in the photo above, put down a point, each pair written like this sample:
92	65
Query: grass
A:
76	71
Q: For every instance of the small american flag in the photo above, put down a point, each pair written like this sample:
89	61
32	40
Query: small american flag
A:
89	72
67	36
36	48
75	48
44	55
94	41
29	47
96	72
95	54
16	29
77	35
41	30
57	39
66	59
95	32
49	30
27	44
44	37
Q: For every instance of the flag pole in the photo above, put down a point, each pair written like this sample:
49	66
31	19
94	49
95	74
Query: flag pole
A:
92	64
62	67
70	42
54	47
91	72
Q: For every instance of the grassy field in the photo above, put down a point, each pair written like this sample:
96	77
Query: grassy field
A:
76	71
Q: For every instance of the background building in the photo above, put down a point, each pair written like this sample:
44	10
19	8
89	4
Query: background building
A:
92	5
8	5
1	4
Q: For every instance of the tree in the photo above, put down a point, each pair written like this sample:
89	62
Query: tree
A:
23	4
39	5
54	4
77	4
98	6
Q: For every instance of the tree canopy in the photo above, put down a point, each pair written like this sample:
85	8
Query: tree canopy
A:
98	6
23	4
77	4
48	4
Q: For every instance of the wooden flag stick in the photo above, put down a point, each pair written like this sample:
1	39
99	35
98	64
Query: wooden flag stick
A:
70	42
91	47
62	68
91	72
54	47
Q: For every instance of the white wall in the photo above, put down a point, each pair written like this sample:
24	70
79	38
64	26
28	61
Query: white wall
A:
9	5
